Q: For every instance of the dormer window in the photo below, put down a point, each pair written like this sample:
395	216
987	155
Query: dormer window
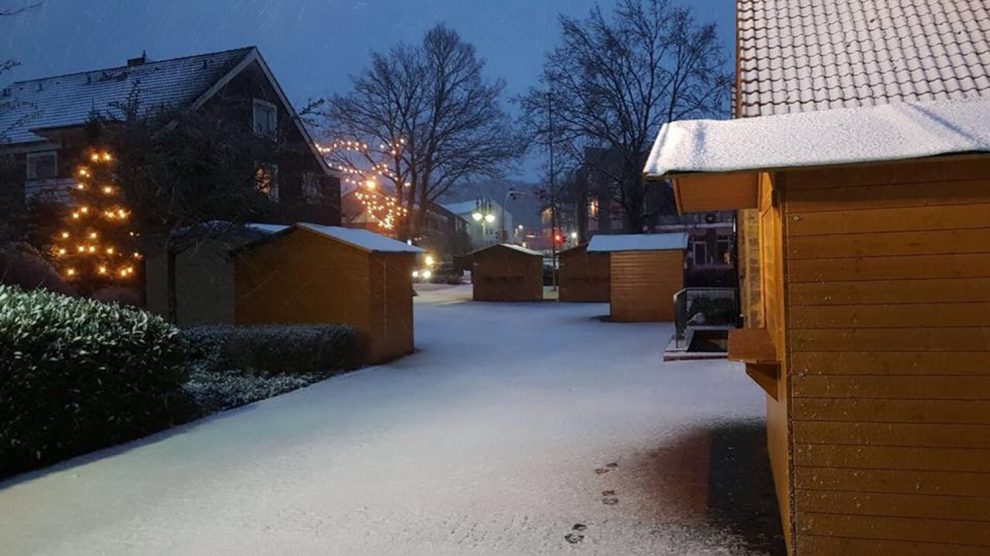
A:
265	118
42	166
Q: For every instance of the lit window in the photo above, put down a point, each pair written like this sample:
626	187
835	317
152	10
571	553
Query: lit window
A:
265	118
42	166
593	208
266	180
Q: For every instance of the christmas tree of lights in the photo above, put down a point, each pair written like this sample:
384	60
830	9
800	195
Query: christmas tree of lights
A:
95	247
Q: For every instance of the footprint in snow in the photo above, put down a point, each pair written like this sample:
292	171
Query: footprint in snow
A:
574	537
609	498
606	468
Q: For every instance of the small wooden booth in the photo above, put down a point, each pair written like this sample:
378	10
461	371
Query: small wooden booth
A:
874	237
314	274
192	283
645	271
583	276
505	272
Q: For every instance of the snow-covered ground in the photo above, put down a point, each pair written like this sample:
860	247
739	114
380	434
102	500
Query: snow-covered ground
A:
516	428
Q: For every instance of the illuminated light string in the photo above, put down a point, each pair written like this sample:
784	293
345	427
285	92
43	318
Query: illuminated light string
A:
81	250
383	210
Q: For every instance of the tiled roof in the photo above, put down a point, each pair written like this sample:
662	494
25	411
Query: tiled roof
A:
68	100
802	55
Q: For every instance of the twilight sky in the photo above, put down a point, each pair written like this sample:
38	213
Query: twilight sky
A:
311	45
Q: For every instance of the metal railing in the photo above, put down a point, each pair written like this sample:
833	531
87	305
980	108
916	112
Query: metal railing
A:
685	308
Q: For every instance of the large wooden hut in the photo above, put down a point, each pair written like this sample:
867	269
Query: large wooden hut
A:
505	272
874	246
584	276
312	274
645	270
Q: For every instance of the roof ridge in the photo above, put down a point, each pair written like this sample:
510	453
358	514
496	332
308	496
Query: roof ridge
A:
125	66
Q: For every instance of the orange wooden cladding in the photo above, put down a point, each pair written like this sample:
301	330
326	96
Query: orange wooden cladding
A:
500	273
304	277
643	284
874	285
584	276
885	298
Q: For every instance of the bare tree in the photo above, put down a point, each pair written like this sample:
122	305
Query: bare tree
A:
614	80
424	118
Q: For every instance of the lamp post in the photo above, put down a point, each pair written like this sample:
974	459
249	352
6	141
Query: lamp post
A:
483	215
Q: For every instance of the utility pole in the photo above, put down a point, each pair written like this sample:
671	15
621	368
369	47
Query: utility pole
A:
553	195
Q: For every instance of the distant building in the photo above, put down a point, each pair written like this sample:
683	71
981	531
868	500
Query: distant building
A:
43	123
488	222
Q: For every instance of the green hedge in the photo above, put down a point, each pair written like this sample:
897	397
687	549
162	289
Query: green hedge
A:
77	375
276	348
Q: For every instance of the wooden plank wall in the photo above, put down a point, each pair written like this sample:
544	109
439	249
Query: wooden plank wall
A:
391	326
584	276
302	277
643	284
772	314
888	283
504	274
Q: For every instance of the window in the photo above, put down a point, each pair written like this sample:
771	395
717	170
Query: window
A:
700	252
265	118
724	245
311	187
42	166
266	179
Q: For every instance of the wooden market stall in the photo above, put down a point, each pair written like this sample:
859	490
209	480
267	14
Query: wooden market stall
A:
583	276
505	272
192	283
874	235
645	270
313	274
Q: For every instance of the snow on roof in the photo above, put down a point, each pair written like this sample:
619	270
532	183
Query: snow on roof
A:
512	246
362	239
462	207
265	228
68	100
637	242
894	131
799	56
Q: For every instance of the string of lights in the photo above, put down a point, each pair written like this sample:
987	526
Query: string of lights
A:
364	167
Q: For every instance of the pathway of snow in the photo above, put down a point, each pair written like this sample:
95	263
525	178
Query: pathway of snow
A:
512	425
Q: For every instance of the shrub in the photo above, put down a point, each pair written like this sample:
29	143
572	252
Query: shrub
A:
212	390
22	265
276	348
77	375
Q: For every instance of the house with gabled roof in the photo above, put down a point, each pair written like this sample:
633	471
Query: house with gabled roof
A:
860	156
43	121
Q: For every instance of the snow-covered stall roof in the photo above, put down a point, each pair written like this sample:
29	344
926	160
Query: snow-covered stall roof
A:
637	242
512	246
896	131
362	239
799	56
